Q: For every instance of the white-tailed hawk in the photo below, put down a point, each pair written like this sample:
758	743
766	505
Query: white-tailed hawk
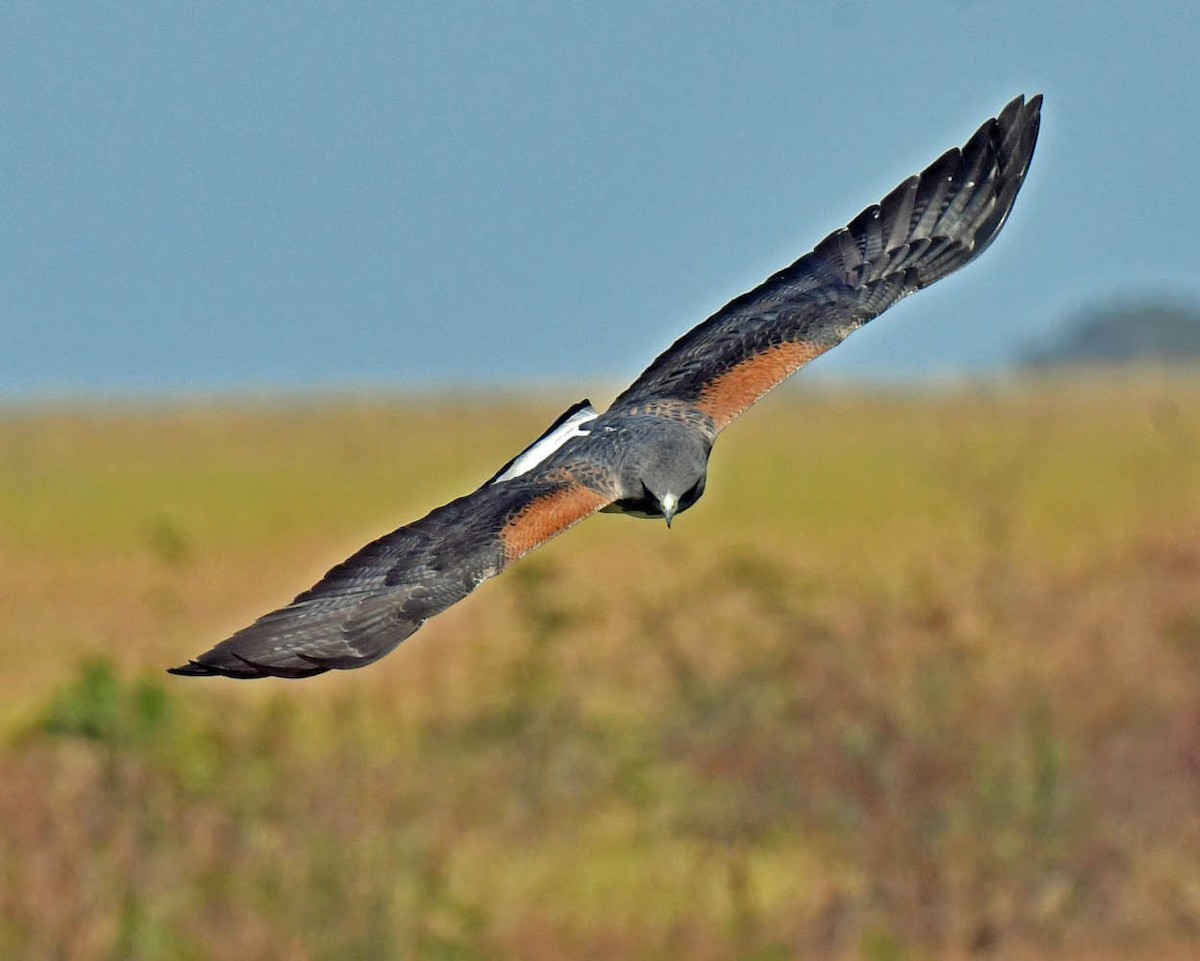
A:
647	454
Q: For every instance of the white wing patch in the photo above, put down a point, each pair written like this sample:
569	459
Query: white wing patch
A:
569	425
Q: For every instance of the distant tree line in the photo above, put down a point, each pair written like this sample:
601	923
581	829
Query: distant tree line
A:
1123	332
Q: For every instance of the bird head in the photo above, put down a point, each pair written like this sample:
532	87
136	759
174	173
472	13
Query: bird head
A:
674	471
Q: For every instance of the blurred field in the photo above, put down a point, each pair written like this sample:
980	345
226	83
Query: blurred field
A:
918	678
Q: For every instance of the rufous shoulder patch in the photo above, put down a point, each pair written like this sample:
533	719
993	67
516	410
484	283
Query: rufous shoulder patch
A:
738	388
547	516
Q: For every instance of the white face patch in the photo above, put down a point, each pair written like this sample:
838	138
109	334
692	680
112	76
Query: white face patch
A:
547	444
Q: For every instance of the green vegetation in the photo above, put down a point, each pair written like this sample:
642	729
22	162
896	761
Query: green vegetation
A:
919	678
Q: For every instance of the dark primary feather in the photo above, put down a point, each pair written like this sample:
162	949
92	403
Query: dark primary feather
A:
931	224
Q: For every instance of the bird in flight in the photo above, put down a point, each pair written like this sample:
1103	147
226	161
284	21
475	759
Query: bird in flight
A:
647	454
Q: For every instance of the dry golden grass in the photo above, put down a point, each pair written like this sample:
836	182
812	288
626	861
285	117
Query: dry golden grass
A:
918	678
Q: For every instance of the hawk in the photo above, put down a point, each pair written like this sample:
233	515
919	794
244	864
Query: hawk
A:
647	455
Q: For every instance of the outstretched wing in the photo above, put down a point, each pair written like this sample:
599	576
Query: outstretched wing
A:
930	225
368	604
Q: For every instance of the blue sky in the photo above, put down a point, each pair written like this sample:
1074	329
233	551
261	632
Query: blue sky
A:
263	197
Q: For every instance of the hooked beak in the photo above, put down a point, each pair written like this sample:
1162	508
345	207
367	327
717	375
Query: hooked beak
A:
669	505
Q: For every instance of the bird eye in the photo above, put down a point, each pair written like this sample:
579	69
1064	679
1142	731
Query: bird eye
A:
692	494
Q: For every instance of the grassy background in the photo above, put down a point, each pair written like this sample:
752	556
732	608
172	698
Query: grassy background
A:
919	677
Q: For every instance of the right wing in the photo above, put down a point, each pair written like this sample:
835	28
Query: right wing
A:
932	224
368	604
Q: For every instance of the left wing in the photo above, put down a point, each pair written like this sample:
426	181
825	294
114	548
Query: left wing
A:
929	226
368	604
